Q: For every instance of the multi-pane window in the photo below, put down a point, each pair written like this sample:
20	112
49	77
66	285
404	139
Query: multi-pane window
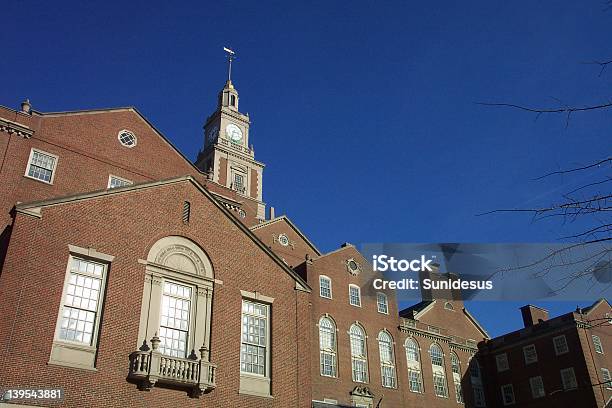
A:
253	350
387	360
41	166
537	387
354	295
502	362
568	379
476	380
382	303
530	354
82	301
458	392
597	344
437	365
412	350
359	359
325	287
415	379
456	372
607	381
239	182
437	358
560	344
114	181
327	345
439	382
507	392
175	318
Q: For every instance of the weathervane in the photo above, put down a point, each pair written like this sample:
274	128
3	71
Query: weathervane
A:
230	57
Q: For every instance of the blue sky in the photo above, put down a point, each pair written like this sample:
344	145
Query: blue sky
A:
363	112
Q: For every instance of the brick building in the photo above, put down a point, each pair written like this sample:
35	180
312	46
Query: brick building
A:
134	277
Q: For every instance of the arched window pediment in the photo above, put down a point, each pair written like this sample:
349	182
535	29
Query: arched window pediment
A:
182	254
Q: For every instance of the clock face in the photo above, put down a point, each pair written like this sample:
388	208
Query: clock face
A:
212	134
233	133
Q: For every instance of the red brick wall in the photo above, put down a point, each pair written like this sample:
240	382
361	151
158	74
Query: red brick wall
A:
126	225
294	254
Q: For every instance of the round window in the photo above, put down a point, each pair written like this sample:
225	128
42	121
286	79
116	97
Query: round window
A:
241	213
352	266
127	138
283	240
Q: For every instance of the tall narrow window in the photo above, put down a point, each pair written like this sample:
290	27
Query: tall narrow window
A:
537	387
382	303
415	380
568	379
81	310
507	392
239	183
359	357
327	344
354	295
175	318
560	344
233	100
387	359
78	320
186	212
325	287
439	376
597	344
456	369
41	166
476	380
254	348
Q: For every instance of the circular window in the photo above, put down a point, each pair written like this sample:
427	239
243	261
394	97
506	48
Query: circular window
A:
241	213
127	138
283	240
352	266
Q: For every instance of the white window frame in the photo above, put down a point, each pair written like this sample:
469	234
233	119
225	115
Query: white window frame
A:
536	384
76	354
112	176
189	343
53	171
388	365
414	365
352	286
476	381
329	351
440	385
359	358
380	295
528	357
607	379
328	279
501	362
504	389
597	344
558	351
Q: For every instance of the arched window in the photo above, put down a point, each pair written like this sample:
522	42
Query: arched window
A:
456	369
359	357
437	366
449	306
325	287
413	359
387	359
327	345
476	380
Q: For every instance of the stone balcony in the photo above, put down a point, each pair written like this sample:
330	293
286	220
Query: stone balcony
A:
149	367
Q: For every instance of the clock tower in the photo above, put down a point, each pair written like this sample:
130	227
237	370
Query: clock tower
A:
227	155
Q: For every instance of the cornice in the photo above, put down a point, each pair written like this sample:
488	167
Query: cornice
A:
15	128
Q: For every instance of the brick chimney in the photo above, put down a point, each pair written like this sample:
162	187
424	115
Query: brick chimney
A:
533	315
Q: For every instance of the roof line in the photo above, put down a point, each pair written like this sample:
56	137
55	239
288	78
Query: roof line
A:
33	208
83	111
475	323
597	303
342	248
292	225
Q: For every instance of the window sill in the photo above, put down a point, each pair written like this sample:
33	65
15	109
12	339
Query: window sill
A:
73	355
49	183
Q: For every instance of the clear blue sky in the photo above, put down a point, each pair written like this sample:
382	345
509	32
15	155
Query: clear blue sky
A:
363	111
